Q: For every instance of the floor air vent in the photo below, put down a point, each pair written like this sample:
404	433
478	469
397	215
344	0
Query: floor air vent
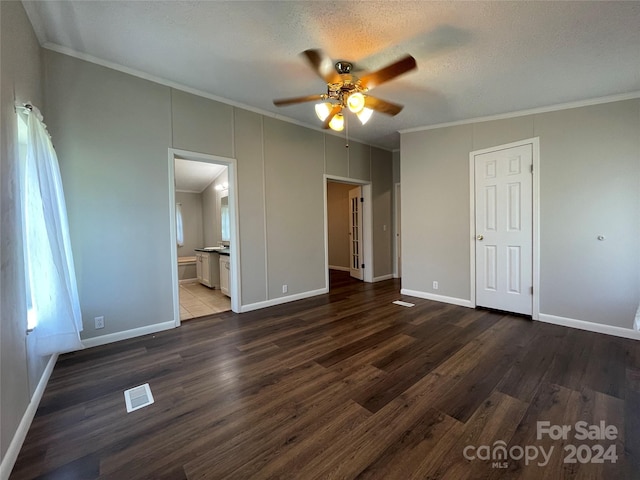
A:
404	304
138	397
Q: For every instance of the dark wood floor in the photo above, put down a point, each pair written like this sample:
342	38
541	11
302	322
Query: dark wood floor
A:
345	385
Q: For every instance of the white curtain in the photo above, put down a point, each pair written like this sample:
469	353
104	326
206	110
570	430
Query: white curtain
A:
49	262
179	226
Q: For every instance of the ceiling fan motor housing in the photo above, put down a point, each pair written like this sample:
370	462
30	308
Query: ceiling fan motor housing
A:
347	85
343	67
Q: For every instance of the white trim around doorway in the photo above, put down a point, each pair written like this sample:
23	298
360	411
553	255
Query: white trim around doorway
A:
367	220
234	244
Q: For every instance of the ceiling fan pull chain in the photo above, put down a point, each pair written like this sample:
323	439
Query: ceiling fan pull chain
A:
346	121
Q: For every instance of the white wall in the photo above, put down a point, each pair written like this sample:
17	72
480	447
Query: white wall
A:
20	368
589	186
251	203
294	197
382	192
112	133
396	166
124	143
435	210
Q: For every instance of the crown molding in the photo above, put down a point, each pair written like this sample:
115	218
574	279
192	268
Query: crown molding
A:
178	86
531	111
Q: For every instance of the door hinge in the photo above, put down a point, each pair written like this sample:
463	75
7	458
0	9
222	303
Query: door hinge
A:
531	168
363	265
531	290
361	199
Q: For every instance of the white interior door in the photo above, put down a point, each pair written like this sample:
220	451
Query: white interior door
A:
504	229
355	232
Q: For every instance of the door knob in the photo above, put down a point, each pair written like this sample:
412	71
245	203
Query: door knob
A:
480	237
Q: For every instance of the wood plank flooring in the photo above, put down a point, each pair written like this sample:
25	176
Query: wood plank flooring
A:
345	385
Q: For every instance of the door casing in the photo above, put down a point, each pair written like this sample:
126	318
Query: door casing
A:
234	280
535	241
367	225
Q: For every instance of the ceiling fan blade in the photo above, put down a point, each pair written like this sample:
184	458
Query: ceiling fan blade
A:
382	106
288	101
322	65
334	111
389	72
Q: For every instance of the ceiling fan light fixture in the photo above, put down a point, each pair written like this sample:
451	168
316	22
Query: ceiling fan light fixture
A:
355	102
323	110
337	122
347	91
364	115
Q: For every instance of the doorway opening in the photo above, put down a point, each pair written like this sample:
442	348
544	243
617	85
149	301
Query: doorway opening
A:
504	249
348	235
203	226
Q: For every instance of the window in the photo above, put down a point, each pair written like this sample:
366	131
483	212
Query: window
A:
53	308
179	225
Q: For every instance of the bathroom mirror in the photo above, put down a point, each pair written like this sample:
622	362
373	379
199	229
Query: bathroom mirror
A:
224	217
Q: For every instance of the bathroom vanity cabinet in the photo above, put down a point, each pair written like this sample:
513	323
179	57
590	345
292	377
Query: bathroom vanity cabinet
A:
207	269
224	274
212	268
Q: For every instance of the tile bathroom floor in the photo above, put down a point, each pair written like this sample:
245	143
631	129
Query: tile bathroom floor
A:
196	300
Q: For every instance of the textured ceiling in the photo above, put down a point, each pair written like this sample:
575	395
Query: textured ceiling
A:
474	59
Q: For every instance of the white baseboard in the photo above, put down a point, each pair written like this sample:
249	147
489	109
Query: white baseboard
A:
9	459
342	269
382	278
126	334
590	326
438	298
188	280
279	301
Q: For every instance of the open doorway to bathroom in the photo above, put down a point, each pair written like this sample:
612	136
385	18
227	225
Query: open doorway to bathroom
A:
348	231
203	228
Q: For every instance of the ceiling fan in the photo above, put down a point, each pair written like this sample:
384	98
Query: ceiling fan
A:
345	90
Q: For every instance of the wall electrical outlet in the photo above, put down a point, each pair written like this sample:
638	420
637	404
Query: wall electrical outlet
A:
435	285
285	288
99	322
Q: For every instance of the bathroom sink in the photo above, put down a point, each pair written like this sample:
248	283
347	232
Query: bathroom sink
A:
210	249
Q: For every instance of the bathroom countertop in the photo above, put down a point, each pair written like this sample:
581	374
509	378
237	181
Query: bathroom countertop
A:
223	251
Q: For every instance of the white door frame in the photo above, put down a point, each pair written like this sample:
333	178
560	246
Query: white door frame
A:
535	245
397	259
367	225
234	244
